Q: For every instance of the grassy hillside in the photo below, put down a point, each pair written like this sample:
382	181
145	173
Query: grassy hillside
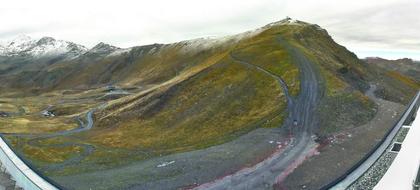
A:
206	104
406	67
186	96
221	102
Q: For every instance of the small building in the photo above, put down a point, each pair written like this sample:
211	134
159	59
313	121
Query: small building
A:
4	114
47	113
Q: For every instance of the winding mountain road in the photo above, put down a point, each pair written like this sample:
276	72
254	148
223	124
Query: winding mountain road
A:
86	148
267	173
82	127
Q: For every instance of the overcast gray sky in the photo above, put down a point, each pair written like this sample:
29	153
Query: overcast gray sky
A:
387	28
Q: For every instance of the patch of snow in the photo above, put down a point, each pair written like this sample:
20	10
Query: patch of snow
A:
50	46
271	142
164	164
113	90
103	48
153	50
2	50
19	44
200	44
286	21
120	51
294	21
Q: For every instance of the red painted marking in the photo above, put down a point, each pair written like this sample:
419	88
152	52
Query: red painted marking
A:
293	166
279	149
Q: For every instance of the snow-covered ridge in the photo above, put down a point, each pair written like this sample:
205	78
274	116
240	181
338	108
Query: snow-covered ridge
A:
103	48
47	46
24	45
120	51
107	50
2	49
286	21
20	43
199	44
212	42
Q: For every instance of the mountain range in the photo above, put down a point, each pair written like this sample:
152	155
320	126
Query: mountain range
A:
26	46
404	66
161	116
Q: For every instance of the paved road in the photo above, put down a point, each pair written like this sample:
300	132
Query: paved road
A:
87	149
266	173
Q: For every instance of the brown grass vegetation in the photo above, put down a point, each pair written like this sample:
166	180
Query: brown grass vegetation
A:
216	105
404	79
35	124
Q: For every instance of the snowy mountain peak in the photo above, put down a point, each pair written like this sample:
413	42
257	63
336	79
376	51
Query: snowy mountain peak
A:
2	50
50	46
20	39
18	44
103	48
287	21
46	40
24	45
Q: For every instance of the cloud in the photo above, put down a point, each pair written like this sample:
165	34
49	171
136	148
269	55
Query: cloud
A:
381	25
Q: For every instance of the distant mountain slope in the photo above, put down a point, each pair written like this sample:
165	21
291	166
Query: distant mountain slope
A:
404	66
397	80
